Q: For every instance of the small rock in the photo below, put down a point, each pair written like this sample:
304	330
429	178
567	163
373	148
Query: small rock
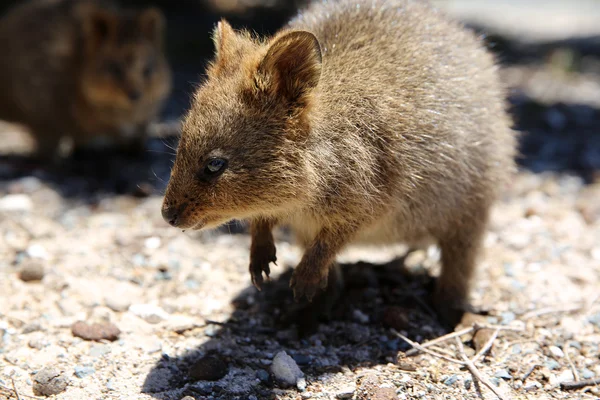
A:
587	374
565	376
31	271
552	364
99	350
451	380
532	385
345	393
396	317
49	381
39	343
361	317
370	388
117	303
149	313
97	332
188	398
208	368
504	374
285	369
301	384
37	251
152	243
556	351
301	359
82	372
263	376
507	317
15	202
32	327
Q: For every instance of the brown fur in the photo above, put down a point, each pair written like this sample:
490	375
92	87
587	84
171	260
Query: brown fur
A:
82	69
362	121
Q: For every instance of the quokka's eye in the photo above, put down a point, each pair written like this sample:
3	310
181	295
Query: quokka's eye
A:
213	168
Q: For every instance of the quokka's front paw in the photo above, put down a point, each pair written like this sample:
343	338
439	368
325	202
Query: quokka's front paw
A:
259	263
306	282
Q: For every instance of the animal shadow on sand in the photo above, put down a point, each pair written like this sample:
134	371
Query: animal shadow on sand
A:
351	332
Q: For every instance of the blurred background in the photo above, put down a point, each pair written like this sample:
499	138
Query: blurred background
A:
549	51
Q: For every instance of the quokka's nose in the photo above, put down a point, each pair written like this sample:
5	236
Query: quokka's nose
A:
171	215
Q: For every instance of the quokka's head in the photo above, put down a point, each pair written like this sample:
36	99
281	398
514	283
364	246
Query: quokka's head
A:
242	148
124	67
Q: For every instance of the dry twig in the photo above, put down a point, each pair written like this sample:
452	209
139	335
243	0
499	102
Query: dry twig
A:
551	310
568	357
14	389
475	372
580	384
465	331
424	350
466	363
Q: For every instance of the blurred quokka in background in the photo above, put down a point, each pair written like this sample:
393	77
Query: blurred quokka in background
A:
82	69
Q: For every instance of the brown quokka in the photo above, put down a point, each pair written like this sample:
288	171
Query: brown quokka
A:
360	122
82	69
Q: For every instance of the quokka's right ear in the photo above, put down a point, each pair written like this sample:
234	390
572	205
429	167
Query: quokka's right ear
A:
99	26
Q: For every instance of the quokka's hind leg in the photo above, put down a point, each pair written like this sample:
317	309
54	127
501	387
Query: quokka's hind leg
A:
460	247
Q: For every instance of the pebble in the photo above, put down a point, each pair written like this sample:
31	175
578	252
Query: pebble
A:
552	364
587	374
556	351
97	332
301	384
208	368
99	350
345	393
31	327
149	312
451	380
504	374
263	376
532	385
49	381
31	271
37	251
82	372
301	359
152	243
361	317
371	389
117	303
285	369
16	202
188	398
565	376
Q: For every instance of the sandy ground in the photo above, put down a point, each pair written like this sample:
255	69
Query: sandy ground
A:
177	297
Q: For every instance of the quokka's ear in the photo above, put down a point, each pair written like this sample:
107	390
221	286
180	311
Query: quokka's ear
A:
292	66
223	35
99	26
152	25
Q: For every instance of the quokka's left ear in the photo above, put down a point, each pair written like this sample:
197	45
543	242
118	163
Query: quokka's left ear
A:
292	66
